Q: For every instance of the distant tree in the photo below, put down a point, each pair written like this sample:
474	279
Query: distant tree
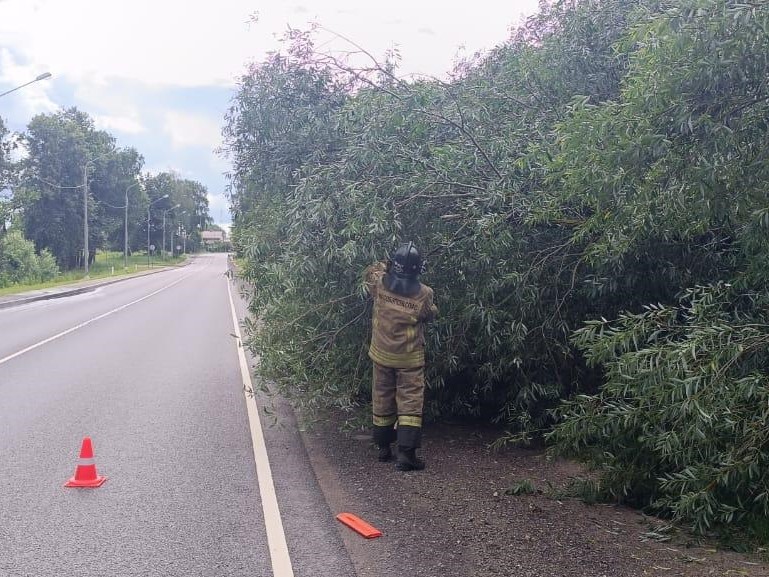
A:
59	145
190	215
108	182
7	176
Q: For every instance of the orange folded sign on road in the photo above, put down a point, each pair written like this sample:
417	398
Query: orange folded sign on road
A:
359	525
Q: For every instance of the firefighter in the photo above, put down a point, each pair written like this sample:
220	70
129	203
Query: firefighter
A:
402	307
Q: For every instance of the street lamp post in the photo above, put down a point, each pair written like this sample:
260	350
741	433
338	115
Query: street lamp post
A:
181	214
40	77
125	234
148	226
164	225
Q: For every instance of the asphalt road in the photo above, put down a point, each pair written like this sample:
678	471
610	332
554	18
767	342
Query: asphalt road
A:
149	368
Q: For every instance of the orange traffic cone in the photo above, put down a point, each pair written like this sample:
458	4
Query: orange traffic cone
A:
85	474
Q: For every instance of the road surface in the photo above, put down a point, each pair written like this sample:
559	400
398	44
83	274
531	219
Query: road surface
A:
150	369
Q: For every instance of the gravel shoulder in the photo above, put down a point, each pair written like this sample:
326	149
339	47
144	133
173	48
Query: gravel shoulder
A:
458	517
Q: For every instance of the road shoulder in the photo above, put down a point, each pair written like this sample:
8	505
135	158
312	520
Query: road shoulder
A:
462	516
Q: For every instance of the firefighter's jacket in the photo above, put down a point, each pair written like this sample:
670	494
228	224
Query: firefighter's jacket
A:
397	334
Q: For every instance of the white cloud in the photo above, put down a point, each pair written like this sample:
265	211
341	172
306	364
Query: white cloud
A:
218	208
100	98
182	43
125	61
191	130
35	98
122	124
173	42
220	164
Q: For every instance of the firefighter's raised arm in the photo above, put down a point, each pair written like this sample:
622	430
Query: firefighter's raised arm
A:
373	273
429	310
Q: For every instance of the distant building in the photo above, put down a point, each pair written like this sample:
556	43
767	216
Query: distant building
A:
213	236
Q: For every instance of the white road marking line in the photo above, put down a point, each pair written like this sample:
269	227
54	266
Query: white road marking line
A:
86	323
276	536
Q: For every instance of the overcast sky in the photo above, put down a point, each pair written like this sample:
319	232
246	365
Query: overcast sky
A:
159	74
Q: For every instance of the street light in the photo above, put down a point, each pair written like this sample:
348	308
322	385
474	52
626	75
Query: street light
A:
164	225
148	226
41	77
125	235
181	214
86	252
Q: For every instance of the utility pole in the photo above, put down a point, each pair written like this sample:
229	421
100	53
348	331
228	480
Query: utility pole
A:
125	234
148	226
125	230
85	206
86	252
164	225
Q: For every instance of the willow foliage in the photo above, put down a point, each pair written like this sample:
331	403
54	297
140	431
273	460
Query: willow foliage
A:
680	425
668	187
334	165
610	155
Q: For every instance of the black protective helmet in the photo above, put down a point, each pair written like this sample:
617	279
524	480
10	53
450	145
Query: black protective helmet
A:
406	265
407	262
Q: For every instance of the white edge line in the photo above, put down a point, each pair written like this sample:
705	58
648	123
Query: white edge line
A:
276	536
86	323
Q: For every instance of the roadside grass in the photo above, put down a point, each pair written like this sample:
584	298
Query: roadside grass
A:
106	265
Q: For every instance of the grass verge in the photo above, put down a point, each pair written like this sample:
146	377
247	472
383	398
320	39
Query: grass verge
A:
106	265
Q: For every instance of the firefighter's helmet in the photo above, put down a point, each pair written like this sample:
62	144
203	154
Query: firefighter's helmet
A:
405	267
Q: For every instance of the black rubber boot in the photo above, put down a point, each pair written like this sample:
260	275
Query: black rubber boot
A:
384	437
408	460
385	453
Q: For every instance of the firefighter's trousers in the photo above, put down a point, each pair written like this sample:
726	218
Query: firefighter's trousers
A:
398	397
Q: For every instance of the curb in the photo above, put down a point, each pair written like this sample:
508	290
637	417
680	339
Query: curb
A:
76	291
50	296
